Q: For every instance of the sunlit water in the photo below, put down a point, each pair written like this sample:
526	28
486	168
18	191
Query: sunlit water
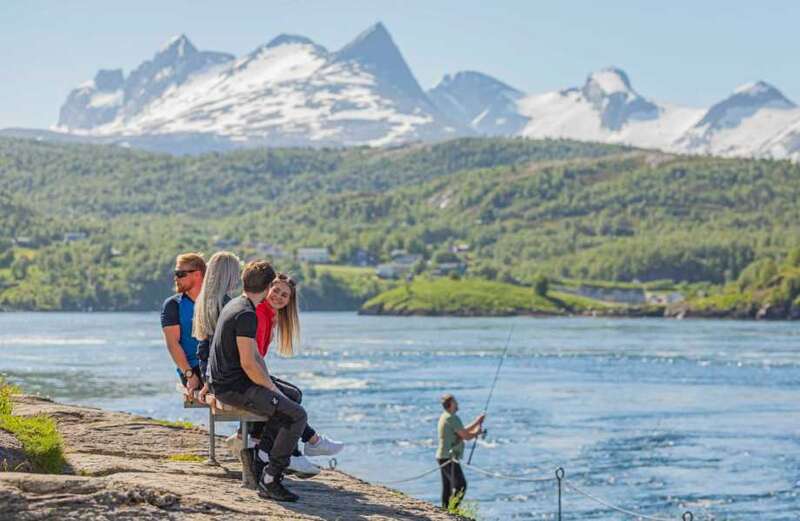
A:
654	415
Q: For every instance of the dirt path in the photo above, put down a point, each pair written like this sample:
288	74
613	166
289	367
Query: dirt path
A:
120	470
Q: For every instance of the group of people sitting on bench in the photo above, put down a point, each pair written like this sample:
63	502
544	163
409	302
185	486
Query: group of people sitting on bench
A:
219	340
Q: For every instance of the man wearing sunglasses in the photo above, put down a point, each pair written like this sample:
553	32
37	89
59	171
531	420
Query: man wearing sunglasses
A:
176	318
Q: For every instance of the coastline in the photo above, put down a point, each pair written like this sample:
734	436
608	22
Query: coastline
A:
123	465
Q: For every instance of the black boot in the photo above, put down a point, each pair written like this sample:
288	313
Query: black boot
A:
274	489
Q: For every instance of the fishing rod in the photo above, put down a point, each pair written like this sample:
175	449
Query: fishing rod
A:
491	391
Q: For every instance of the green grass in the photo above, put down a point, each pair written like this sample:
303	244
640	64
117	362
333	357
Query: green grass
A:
40	441
464	296
345	271
465	509
6	390
578	303
729	299
180	424
188	458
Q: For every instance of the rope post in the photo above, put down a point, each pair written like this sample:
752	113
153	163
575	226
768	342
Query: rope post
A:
559	478
687	516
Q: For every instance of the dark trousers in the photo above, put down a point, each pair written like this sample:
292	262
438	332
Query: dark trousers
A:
453	482
286	423
265	435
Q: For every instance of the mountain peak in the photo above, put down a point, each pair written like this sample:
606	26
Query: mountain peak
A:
288	39
609	80
178	45
376	52
745	101
764	93
370	46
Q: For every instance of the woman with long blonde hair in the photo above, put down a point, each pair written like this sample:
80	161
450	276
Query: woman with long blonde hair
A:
219	284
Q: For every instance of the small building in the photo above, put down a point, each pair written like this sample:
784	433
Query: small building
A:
74	236
665	299
401	265
392	270
24	242
313	255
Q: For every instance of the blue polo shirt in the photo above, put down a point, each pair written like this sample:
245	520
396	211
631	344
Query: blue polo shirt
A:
178	310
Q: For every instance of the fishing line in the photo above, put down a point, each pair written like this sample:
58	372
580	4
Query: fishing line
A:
491	391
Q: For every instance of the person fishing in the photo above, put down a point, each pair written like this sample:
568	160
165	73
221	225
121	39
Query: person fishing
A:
452	435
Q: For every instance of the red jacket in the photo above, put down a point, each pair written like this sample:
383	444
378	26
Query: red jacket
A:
266	320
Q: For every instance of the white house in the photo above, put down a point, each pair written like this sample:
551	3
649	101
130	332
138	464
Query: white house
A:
313	255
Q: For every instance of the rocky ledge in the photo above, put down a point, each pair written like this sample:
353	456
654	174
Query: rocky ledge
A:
119	467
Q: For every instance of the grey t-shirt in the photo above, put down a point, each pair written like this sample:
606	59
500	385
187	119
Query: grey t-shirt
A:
238	318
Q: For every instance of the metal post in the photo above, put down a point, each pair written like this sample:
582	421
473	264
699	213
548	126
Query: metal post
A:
212	439
245	443
559	478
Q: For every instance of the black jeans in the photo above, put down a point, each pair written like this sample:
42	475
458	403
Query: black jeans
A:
287	419
453	482
259	430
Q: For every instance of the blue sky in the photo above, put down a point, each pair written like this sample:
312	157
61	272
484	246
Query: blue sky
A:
689	52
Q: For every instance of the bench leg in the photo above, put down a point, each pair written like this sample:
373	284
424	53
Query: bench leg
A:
245	444
212	440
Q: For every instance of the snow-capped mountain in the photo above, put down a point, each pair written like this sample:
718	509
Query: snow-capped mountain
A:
288	92
111	95
292	91
748	122
607	109
756	120
479	102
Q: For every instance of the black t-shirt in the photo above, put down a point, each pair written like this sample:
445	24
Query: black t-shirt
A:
238	318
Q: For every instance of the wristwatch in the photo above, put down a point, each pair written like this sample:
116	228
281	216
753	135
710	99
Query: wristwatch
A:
188	373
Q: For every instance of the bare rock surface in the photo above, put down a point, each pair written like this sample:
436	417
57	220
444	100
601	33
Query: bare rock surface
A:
119	468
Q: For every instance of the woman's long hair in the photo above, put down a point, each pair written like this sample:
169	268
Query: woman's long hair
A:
288	321
221	279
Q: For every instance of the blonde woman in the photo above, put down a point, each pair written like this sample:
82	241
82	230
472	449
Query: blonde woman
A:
220	282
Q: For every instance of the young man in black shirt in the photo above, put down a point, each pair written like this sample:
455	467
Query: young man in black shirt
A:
238	376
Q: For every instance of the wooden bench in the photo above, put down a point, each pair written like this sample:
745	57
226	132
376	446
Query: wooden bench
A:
219	412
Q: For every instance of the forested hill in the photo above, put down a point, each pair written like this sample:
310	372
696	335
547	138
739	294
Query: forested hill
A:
521	207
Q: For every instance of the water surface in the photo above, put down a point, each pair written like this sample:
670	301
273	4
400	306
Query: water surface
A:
655	415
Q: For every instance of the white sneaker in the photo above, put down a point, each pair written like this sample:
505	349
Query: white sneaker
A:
324	447
299	466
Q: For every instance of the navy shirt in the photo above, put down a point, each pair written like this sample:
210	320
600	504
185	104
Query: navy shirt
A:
225	373
178	310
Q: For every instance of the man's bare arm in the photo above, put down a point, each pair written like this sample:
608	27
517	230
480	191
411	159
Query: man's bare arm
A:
172	335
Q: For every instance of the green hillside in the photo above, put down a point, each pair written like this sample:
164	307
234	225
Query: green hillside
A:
512	209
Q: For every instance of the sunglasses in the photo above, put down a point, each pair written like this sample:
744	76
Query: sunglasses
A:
179	274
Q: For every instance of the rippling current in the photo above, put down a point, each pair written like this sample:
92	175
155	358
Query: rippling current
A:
654	415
